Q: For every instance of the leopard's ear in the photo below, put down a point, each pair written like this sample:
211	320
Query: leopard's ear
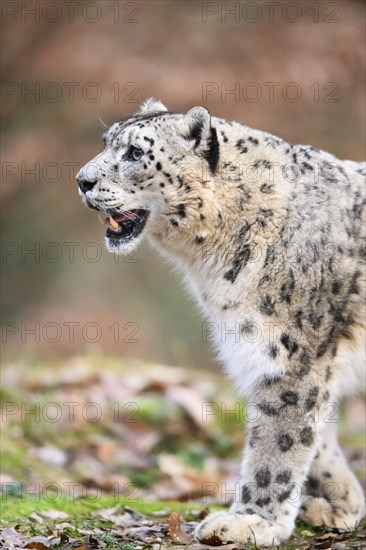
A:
199	125
198	129
152	104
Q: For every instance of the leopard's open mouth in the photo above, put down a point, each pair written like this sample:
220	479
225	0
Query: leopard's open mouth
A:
125	226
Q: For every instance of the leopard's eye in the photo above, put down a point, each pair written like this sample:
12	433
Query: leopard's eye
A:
134	153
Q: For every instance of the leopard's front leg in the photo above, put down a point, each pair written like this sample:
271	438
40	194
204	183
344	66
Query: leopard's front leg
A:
283	430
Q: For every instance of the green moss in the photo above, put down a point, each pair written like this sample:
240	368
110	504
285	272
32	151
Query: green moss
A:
223	446
13	462
155	410
15	508
142	478
82	515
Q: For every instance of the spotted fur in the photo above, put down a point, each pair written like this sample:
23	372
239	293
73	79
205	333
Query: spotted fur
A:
270	238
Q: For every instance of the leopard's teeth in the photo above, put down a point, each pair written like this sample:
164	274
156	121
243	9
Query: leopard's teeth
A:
113	223
101	220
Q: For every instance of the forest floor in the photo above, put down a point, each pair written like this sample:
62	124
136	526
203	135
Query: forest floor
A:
104	453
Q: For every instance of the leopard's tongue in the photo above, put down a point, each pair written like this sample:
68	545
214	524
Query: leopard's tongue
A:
122	218
113	223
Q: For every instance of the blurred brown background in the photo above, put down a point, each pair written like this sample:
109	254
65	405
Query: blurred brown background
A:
297	71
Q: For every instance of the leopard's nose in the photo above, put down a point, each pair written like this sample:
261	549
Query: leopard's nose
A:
85	184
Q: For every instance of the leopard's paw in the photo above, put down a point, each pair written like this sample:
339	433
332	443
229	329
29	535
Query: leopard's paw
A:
318	511
239	527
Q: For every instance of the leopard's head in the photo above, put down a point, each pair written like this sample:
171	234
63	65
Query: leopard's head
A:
154	176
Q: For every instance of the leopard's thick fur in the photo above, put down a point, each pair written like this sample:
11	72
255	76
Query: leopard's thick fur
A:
271	239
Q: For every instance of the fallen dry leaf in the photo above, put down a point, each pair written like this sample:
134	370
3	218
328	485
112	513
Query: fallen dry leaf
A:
327	536
53	514
36	517
191	400
175	530
203	513
10	538
183	478
37	546
213	541
325	542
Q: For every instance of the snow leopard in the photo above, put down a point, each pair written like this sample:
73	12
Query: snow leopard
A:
270	238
